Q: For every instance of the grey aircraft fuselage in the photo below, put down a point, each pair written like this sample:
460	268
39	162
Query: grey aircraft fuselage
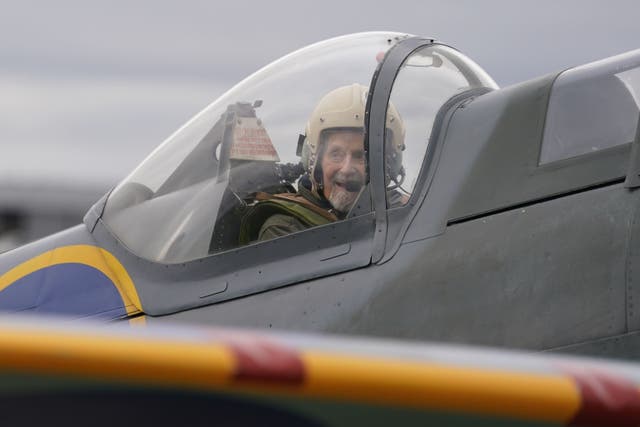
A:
494	248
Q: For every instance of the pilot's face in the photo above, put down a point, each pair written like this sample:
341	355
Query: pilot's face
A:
343	168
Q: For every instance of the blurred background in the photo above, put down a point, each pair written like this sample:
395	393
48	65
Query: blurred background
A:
89	88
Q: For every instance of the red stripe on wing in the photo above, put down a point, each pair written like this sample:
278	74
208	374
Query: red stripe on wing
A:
607	399
263	359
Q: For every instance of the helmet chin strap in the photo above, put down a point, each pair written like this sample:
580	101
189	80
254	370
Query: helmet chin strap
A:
317	178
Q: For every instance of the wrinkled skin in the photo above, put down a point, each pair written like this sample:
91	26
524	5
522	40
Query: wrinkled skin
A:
343	168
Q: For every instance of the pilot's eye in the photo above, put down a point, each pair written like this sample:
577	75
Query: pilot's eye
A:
337	155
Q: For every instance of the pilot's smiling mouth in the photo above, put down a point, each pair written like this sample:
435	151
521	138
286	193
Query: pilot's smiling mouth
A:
340	184
344	191
350	185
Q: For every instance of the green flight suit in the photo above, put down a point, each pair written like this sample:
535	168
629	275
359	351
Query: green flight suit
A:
281	214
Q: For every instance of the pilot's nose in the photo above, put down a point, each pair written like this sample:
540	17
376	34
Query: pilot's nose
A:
349	164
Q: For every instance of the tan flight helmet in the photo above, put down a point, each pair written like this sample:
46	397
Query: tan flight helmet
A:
343	108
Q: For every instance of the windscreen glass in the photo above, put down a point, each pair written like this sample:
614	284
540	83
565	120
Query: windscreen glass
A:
428	78
248	158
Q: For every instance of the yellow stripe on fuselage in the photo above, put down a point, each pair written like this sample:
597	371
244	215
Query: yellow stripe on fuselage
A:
92	256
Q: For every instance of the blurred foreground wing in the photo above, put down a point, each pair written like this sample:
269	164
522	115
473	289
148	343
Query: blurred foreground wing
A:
90	374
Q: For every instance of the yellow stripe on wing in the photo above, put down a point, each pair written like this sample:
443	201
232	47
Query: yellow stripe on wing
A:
333	376
110	358
541	397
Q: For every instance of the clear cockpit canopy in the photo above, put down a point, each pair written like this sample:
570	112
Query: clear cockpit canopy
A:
187	200
167	209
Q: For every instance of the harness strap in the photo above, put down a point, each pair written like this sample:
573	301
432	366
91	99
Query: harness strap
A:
297	198
286	203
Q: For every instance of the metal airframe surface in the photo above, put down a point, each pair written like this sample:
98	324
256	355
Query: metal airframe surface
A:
400	218
168	288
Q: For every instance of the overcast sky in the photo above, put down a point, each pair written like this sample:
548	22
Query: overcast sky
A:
88	88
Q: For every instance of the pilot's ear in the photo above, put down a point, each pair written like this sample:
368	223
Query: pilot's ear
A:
301	139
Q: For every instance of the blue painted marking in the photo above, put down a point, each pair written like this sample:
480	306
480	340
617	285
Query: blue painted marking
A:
72	289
